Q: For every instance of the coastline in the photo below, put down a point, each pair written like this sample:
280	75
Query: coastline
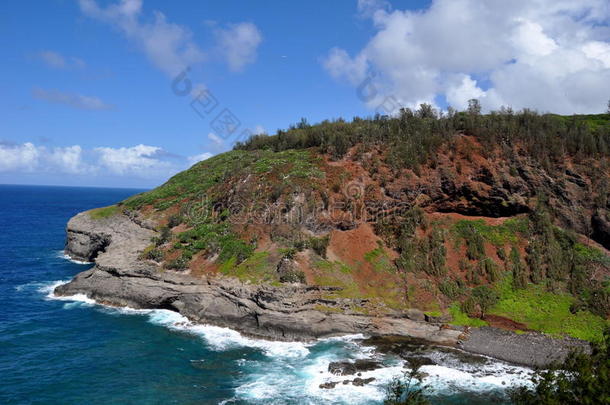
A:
286	313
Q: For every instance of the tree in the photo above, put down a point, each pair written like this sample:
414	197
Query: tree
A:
580	379
474	107
407	390
485	297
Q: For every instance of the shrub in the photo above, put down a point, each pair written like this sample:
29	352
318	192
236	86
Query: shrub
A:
580	379
181	263
319	245
174	220
154	254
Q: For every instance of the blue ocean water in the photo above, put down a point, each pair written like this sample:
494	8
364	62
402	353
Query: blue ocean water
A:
71	351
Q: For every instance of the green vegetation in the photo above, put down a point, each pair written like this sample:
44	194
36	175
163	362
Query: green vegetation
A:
409	389
104	212
499	235
379	259
546	312
462	319
216	238
206	178
257	268
415	136
580	379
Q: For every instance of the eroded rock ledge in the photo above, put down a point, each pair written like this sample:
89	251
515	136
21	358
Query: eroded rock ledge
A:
280	313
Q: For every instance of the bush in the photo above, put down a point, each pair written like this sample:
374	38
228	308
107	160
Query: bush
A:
164	236
407	390
174	220
451	288
154	254
319	245
180	263
580	379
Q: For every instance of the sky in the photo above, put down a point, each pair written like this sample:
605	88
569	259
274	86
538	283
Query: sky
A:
126	93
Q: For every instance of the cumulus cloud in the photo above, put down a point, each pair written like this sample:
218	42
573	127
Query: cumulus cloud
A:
215	139
170	47
143	160
72	100
58	61
18	157
28	157
544	54
238	43
137	162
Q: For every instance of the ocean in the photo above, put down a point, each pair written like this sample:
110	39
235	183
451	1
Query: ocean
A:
73	351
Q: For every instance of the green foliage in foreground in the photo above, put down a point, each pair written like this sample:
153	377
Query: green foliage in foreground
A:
581	380
104	212
547	312
407	390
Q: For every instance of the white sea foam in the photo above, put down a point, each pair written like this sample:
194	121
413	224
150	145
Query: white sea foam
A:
295	369
216	338
62	255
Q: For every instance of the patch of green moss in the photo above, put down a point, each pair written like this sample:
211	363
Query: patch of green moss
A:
257	268
462	319
104	212
498	235
379	259
547	312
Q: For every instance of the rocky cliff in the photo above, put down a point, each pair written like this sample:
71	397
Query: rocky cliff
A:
467	230
120	278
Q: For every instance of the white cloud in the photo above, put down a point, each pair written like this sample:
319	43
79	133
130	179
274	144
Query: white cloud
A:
198	158
28	157
142	160
68	159
73	100
170	47
57	61
544	54
215	139
137	162
238	43
23	157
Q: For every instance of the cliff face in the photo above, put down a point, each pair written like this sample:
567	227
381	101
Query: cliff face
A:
284	313
120	278
373	227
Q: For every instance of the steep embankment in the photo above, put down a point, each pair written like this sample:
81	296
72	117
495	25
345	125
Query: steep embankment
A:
421	226
292	312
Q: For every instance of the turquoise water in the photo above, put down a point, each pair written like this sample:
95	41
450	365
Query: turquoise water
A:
71	351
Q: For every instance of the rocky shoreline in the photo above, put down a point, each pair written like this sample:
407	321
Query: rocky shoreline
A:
279	313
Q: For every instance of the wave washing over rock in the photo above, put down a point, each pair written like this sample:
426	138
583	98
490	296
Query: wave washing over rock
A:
297	371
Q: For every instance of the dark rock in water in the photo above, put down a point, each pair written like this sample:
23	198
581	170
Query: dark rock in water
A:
359	382
349	368
329	385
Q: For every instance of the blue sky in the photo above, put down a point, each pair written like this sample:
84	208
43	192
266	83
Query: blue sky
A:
88	99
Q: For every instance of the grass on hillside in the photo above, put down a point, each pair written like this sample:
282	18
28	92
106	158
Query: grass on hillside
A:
547	312
497	235
201	178
462	319
104	212
255	269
